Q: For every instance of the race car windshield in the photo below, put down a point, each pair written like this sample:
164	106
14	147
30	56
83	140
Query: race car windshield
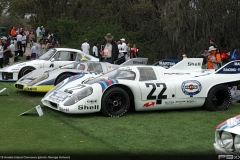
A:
74	65
115	74
48	54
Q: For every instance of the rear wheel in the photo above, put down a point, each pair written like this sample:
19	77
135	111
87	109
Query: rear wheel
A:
25	71
115	102
219	98
62	77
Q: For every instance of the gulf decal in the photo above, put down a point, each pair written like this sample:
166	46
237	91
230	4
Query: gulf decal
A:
106	83
232	67
230	123
49	82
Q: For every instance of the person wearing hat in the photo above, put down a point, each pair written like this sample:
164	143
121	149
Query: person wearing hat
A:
108	50
6	51
214	59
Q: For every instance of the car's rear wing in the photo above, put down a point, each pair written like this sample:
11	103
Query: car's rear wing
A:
232	67
135	61
193	64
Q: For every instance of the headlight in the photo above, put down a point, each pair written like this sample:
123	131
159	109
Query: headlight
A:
53	89
237	143
40	78
78	96
227	140
218	139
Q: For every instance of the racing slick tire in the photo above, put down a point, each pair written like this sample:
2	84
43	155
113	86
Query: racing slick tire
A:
25	71
115	102
62	77
218	99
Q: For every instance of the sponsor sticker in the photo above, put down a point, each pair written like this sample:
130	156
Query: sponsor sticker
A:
58	96
92	101
149	104
194	64
169	102
64	109
191	87
87	107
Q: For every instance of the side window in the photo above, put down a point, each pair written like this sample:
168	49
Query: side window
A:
62	56
97	67
78	57
90	67
146	74
73	56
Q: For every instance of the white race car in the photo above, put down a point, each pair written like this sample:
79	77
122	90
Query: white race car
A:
53	58
44	79
227	138
147	88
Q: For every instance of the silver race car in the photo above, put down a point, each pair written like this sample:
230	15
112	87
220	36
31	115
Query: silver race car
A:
53	58
44	79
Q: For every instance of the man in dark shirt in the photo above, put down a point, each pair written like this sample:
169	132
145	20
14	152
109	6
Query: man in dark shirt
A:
108	50
6	51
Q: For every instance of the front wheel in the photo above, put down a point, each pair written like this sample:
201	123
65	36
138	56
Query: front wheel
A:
25	71
62	77
115	102
219	98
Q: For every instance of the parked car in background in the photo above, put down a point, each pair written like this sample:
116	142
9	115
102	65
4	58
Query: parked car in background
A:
53	58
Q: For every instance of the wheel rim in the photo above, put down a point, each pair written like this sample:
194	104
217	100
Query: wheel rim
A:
116	103
220	99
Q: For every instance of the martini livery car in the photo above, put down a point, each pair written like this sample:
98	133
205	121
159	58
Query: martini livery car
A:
147	88
227	138
44	79
53	58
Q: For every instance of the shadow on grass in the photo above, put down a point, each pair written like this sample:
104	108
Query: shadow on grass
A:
31	94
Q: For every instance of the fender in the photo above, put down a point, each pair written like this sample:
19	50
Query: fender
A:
232	67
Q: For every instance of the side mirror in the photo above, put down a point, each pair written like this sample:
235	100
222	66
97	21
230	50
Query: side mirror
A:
52	60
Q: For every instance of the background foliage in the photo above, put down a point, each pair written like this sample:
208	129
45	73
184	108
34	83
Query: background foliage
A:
160	28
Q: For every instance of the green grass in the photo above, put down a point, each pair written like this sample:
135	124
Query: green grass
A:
161	133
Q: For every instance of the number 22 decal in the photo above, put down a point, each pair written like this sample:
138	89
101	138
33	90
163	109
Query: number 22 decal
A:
160	95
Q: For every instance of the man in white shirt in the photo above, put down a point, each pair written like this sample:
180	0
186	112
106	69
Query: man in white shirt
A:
85	47
19	41
124	48
12	48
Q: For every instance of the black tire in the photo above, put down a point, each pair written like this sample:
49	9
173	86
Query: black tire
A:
62	77
219	98
115	102
25	71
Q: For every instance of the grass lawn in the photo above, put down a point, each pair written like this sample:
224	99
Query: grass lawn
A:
167	134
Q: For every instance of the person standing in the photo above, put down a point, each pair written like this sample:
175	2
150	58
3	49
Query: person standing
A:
27	35
40	48
184	57
1	55
134	51
31	39
38	31
12	48
212	61
128	56
124	47
43	31
108	50
95	50
6	51
85	46
33	51
19	41
24	39
13	33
